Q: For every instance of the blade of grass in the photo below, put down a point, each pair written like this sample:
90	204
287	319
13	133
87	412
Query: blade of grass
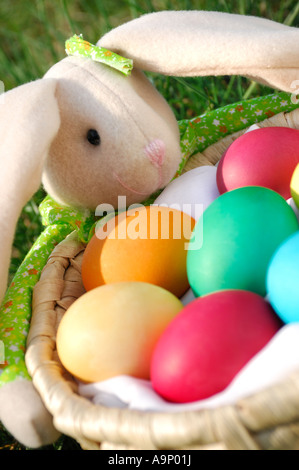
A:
71	23
250	91
197	91
290	19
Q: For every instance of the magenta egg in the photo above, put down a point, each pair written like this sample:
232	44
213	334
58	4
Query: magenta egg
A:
209	342
262	157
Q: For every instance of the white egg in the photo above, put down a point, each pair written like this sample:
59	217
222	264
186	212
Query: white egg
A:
291	203
252	128
187	297
191	192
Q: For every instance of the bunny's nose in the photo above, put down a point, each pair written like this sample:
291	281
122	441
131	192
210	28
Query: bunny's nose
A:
155	152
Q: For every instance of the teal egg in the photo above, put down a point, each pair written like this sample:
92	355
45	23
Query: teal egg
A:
283	280
235	238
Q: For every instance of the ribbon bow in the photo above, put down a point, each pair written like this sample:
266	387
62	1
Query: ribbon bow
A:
76	46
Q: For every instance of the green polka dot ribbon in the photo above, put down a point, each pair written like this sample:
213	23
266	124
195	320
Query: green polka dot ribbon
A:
200	132
196	135
15	310
77	46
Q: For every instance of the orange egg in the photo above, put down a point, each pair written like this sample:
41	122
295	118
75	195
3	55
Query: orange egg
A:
146	244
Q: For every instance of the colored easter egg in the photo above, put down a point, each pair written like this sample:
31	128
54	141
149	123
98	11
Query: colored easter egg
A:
283	280
113	329
146	244
294	186
234	240
263	157
209	342
191	192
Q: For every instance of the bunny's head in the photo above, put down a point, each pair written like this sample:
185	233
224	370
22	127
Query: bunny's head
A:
118	136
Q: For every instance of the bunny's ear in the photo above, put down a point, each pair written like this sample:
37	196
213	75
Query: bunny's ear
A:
209	43
29	120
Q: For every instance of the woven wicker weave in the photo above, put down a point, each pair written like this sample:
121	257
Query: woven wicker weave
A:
266	420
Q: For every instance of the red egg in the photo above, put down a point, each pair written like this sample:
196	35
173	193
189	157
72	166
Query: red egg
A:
262	157
209	342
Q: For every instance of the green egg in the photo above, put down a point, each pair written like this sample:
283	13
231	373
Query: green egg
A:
235	238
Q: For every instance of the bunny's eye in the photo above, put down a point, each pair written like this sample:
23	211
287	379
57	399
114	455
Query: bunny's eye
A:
93	137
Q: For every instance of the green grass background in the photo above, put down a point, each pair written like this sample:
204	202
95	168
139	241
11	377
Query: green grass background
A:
32	36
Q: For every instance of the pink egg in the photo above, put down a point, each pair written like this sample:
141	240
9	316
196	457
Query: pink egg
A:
262	157
209	342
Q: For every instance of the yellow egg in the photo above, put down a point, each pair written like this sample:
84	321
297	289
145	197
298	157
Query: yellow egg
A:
295	186
113	329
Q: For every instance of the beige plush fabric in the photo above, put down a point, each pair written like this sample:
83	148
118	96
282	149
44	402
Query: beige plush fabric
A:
130	117
29	121
201	43
23	413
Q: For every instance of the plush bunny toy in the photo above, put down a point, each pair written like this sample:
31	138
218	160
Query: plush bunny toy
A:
90	134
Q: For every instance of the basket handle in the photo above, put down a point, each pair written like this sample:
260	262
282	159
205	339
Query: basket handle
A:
210	43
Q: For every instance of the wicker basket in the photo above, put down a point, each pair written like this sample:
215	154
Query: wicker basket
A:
266	420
